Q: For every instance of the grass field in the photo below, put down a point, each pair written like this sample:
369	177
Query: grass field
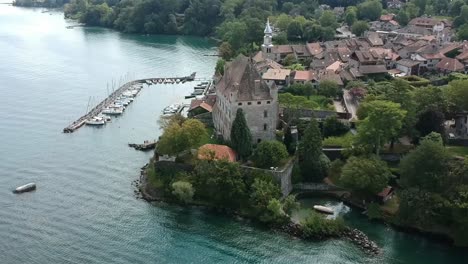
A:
459	151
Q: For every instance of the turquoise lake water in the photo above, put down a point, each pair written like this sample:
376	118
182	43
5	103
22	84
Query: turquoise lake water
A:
84	210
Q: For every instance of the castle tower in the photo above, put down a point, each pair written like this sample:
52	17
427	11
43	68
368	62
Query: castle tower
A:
267	41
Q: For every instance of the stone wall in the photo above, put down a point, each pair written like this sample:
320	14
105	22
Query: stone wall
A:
282	176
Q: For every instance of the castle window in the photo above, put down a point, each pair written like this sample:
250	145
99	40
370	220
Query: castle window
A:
249	103
265	113
259	140
265	126
239	104
258	102
268	102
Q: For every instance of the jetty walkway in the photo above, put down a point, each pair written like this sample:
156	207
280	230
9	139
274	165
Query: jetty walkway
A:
115	94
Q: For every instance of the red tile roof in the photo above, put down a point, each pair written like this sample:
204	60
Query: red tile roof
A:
220	152
450	64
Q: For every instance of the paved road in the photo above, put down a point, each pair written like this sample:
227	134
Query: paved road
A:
350	104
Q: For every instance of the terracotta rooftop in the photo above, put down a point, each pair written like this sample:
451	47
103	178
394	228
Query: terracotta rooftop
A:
314	48
282	49
276	74
424	21
387	17
220	152
304	75
450	64
408	63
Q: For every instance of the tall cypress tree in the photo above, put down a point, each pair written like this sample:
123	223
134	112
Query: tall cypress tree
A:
288	140
310	150
241	138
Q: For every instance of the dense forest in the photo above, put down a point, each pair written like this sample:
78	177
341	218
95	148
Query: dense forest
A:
240	22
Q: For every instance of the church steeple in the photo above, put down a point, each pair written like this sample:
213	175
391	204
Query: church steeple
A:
267	40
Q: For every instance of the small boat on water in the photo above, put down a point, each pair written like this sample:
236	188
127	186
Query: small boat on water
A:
95	121
25	188
323	209
160	80
172	109
112	111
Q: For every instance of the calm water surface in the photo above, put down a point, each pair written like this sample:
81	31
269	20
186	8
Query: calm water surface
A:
84	210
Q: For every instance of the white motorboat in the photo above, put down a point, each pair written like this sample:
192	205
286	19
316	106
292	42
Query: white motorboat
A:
112	111
96	121
323	209
105	117
25	188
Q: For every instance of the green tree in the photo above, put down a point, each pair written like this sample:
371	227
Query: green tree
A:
219	70
294	30
370	10
241	138
328	19
220	183
359	27
402	17
290	204
328	88
457	95
183	191
262	192
177	138
269	154
350	15
383	122
283	21
310	150
455	7
333	127
328	33
412	10
462	33
289	60
225	51
288	141
426	167
365	176
430	121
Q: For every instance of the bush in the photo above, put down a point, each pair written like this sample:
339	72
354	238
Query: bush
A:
183	191
290	204
373	211
318	227
333	127
345	141
269	154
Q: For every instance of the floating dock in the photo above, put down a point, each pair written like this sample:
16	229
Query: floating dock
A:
113	96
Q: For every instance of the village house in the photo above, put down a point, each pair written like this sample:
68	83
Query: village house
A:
449	65
408	67
281	77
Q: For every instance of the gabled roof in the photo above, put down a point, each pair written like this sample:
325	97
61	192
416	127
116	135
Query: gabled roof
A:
242	79
424	21
450	64
304	75
387	17
373	69
276	74
220	152
282	49
314	48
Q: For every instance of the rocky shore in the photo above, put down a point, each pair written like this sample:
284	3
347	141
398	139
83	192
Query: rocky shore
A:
355	236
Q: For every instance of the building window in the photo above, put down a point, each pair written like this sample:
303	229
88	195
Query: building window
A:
239	104
265	126
259	140
249	103
268	102
265	113
258	102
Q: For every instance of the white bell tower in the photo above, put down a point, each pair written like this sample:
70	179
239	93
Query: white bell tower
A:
267	41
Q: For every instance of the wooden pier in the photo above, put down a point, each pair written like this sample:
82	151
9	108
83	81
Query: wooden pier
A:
147	145
113	96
